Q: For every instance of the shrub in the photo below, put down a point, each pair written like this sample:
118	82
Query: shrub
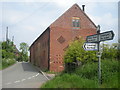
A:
75	53
7	62
110	52
7	55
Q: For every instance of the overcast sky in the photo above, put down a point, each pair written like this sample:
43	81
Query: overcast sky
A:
27	19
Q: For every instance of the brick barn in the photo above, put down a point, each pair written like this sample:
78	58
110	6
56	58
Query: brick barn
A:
47	51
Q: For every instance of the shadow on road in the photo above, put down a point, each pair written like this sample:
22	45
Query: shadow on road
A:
28	67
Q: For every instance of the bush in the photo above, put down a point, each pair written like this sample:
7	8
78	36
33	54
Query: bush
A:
7	55
8	50
110	52
76	54
22	57
7	62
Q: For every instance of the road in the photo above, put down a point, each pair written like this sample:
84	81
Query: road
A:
22	75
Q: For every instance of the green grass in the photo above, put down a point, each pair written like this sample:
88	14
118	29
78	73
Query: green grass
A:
109	72
0	66
70	81
6	63
87	77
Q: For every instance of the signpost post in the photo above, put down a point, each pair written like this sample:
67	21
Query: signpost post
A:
99	56
96	39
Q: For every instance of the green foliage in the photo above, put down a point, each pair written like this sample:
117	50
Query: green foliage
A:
6	54
70	81
109	72
118	54
110	52
86	76
24	47
23	55
8	50
8	46
0	66
88	70
7	62
75	52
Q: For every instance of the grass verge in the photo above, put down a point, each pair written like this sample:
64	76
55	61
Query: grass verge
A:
6	63
0	66
87	77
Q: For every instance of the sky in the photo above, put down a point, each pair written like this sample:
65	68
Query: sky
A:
27	19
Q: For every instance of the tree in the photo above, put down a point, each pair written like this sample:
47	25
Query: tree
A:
75	52
110	52
24	52
7	49
24	48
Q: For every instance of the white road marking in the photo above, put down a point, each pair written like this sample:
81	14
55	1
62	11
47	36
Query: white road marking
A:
23	79
33	76
17	81
29	77
8	83
37	74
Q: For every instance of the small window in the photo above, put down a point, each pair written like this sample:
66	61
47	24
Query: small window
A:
75	22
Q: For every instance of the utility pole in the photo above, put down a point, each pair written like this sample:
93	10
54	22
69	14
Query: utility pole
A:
12	38
7	35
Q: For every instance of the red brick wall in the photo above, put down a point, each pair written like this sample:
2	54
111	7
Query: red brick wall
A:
63	27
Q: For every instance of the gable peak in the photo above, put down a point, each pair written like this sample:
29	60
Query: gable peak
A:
75	5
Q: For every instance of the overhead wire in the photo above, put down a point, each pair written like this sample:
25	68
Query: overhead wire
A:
31	14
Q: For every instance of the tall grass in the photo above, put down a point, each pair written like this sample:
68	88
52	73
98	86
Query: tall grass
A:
7	62
70	81
109	72
87	76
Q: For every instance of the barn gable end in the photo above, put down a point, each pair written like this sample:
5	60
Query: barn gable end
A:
74	23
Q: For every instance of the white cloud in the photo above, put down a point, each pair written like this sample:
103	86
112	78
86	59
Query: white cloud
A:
65	3
106	19
13	16
107	23
58	1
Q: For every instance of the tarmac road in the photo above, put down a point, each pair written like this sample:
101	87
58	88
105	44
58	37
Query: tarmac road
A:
22	75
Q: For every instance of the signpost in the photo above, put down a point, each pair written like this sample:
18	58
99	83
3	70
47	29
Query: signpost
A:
106	36
92	38
90	46
93	43
100	37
